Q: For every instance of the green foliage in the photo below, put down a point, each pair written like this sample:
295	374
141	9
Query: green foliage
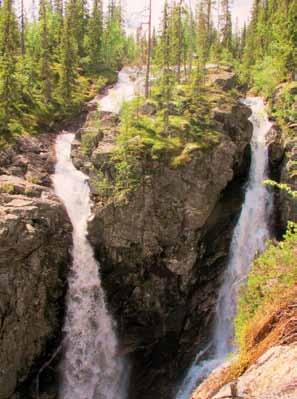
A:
67	58
270	55
272	275
102	185
282	186
284	105
7	188
143	139
90	134
267	73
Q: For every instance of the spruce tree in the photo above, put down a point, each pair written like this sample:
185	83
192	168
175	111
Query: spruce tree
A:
149	52
45	68
226	25
9	85
68	54
165	65
95	37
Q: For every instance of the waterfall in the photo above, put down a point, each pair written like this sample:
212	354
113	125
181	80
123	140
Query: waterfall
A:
90	366
249	238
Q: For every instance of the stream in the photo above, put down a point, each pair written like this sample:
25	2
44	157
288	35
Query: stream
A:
249	238
90	366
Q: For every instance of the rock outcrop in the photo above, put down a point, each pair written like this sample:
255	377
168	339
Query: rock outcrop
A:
271	371
273	376
162	249
283	153
34	256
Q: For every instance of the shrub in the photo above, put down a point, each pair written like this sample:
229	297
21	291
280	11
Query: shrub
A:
273	274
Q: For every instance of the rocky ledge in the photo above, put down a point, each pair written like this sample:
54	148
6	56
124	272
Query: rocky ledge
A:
162	249
34	255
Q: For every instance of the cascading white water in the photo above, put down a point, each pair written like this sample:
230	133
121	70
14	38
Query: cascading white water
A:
124	90
90	367
249	238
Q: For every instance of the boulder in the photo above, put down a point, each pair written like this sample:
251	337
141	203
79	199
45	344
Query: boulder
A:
224	79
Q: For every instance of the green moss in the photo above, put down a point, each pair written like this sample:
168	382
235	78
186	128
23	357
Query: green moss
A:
101	185
91	133
7	188
284	106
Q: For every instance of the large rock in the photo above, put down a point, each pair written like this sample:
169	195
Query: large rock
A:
226	80
162	252
273	376
34	257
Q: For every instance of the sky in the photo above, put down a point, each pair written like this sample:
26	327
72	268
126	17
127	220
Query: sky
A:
135	10
240	10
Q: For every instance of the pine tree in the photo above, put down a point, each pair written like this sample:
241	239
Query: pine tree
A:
202	35
45	69
165	65
80	24
95	37
57	24
208	7
149	52
68	54
226	25
9	85
291	13
22	28
114	43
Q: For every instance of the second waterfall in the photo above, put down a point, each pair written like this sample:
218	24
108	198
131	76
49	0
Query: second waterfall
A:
249	238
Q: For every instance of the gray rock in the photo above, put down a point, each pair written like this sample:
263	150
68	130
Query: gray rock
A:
35	237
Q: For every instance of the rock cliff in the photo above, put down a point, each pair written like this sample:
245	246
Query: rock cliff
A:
283	150
34	255
162	249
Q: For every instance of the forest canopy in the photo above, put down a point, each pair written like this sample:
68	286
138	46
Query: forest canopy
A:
52	63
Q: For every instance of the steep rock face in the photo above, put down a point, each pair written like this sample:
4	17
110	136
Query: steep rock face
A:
34	254
163	249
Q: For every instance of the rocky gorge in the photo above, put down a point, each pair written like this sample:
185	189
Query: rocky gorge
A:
162	249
